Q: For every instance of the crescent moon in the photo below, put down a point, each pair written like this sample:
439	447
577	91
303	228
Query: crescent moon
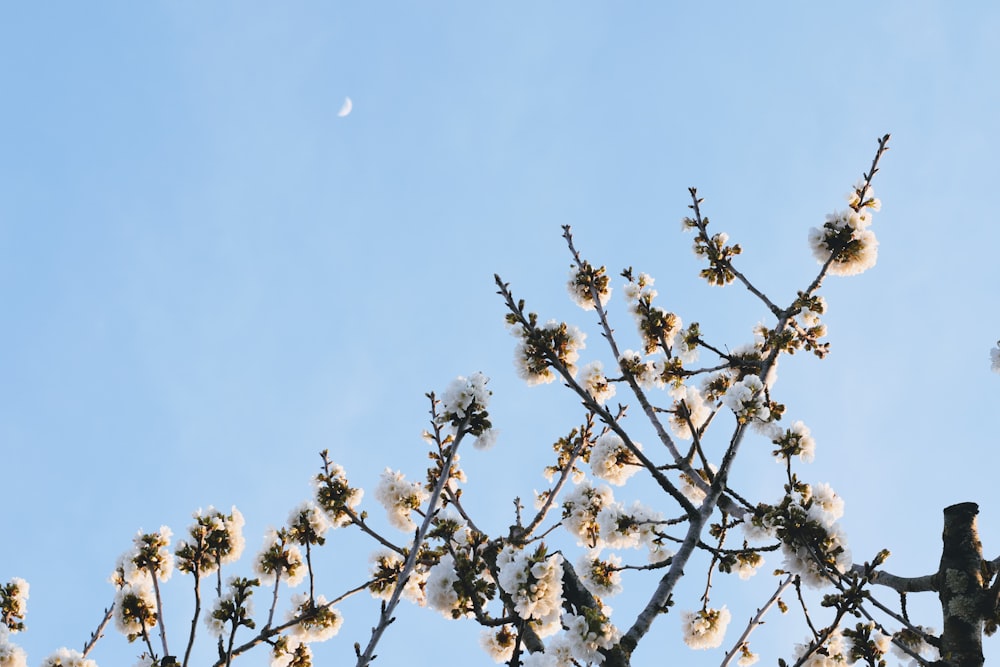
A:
346	108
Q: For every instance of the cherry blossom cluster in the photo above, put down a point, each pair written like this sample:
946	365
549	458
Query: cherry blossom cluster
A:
400	498
844	242
463	406
598	521
585	282
657	327
805	521
317	621
585	638
14	603
539	347
232	609
335	495
13	609
705	628
136	578
534	582
215	539
611	460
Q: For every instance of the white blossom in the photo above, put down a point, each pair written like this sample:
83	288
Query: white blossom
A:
388	564
587	639
319	621
440	587
399	498
705	628
581	507
861	252
602	577
628	528
135	606
499	644
532	362
279	557
11	655
693	491
826	506
534	582
65	657
747	400
694	411
796	440
580	290
597	385
612	461
833	654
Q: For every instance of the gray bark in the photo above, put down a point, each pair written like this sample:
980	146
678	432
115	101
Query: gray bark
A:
961	588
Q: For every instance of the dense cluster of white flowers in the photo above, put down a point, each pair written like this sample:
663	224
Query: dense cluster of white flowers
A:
149	559
11	655
588	633
612	460
65	657
464	393
601	576
14	603
796	440
832	652
689	409
846	236
631	528
399	498
386	566
533	351
534	582
598	522
686	345
135	607
705	628
915	641
219	612
691	489
584	281
280	559
648	373
499	644
995	358
307	523
592	379
215	539
558	653
747	564
336	496
320	621
581	506
440	588
747	400
465	402
657	327
812	542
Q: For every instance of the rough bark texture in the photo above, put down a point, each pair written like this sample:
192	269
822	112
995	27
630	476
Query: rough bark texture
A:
961	588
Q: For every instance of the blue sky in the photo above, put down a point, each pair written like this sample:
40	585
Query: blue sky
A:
208	276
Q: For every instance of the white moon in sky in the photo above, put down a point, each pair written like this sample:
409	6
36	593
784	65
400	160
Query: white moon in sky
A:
346	108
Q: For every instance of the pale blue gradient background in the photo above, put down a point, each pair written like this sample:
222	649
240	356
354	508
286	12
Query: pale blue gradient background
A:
207	276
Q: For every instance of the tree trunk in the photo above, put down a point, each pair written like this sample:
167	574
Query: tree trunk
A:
961	588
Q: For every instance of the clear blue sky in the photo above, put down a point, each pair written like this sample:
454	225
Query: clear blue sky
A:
207	276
